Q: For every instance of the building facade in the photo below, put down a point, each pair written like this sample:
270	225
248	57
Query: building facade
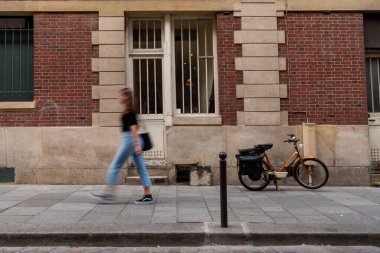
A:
207	76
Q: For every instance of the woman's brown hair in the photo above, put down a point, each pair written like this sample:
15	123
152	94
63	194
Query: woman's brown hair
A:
129	105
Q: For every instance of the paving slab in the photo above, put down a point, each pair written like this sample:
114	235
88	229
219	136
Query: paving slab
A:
52	215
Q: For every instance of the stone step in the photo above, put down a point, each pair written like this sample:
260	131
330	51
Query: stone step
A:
156	180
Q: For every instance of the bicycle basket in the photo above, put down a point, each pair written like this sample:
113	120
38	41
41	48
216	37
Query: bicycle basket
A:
251	166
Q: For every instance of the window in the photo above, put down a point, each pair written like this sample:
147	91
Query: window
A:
146	54
16	59
194	66
185	64
372	61
372	77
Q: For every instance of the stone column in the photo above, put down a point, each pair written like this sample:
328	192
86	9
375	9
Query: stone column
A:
260	64
111	67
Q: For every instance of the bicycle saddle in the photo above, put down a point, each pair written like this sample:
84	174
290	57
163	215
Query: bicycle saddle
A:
264	146
256	150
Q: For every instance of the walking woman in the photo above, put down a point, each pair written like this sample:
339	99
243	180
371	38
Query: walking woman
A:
132	146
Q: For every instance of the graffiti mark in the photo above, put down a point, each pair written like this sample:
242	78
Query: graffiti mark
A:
47	106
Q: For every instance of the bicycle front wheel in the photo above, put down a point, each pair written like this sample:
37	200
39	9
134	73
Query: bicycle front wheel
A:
314	175
255	185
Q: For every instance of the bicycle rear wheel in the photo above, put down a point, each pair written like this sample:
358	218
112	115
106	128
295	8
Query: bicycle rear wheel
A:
314	175
256	185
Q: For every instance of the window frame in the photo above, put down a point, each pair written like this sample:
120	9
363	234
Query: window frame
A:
215	66
131	50
168	83
370	94
135	54
23	103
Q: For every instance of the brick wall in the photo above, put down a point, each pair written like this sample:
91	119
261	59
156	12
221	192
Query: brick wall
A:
63	78
326	60
228	76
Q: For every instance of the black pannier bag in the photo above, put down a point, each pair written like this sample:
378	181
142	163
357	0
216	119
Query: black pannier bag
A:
251	166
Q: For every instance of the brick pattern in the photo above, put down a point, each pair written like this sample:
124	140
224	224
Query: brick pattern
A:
327	68
63	78
228	76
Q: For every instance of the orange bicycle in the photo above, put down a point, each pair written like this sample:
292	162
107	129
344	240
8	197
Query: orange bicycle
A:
255	170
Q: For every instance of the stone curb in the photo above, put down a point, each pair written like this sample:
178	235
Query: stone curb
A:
185	239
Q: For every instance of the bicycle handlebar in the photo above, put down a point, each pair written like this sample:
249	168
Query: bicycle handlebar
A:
292	138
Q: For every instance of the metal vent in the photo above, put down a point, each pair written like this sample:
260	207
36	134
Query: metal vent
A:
7	174
153	154
375	160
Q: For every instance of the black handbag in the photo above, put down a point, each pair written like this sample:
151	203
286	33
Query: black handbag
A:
148	145
145	136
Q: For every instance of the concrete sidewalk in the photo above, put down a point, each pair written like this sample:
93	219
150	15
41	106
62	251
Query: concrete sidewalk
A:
183	215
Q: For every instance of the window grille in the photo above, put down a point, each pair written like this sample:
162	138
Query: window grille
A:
147	85
372	78
16	58
146	34
194	66
146	54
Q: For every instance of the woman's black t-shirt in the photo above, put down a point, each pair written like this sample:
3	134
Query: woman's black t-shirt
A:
129	119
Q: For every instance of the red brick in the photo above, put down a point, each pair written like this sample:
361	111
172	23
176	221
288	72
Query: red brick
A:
327	68
62	72
228	76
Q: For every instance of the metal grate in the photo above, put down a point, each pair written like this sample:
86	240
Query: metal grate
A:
7	174
16	58
375	160
147	84
194	65
153	154
373	88
183	173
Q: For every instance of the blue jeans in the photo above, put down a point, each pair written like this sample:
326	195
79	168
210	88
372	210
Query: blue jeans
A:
126	150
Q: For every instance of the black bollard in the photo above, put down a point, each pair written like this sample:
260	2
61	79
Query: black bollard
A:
223	190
